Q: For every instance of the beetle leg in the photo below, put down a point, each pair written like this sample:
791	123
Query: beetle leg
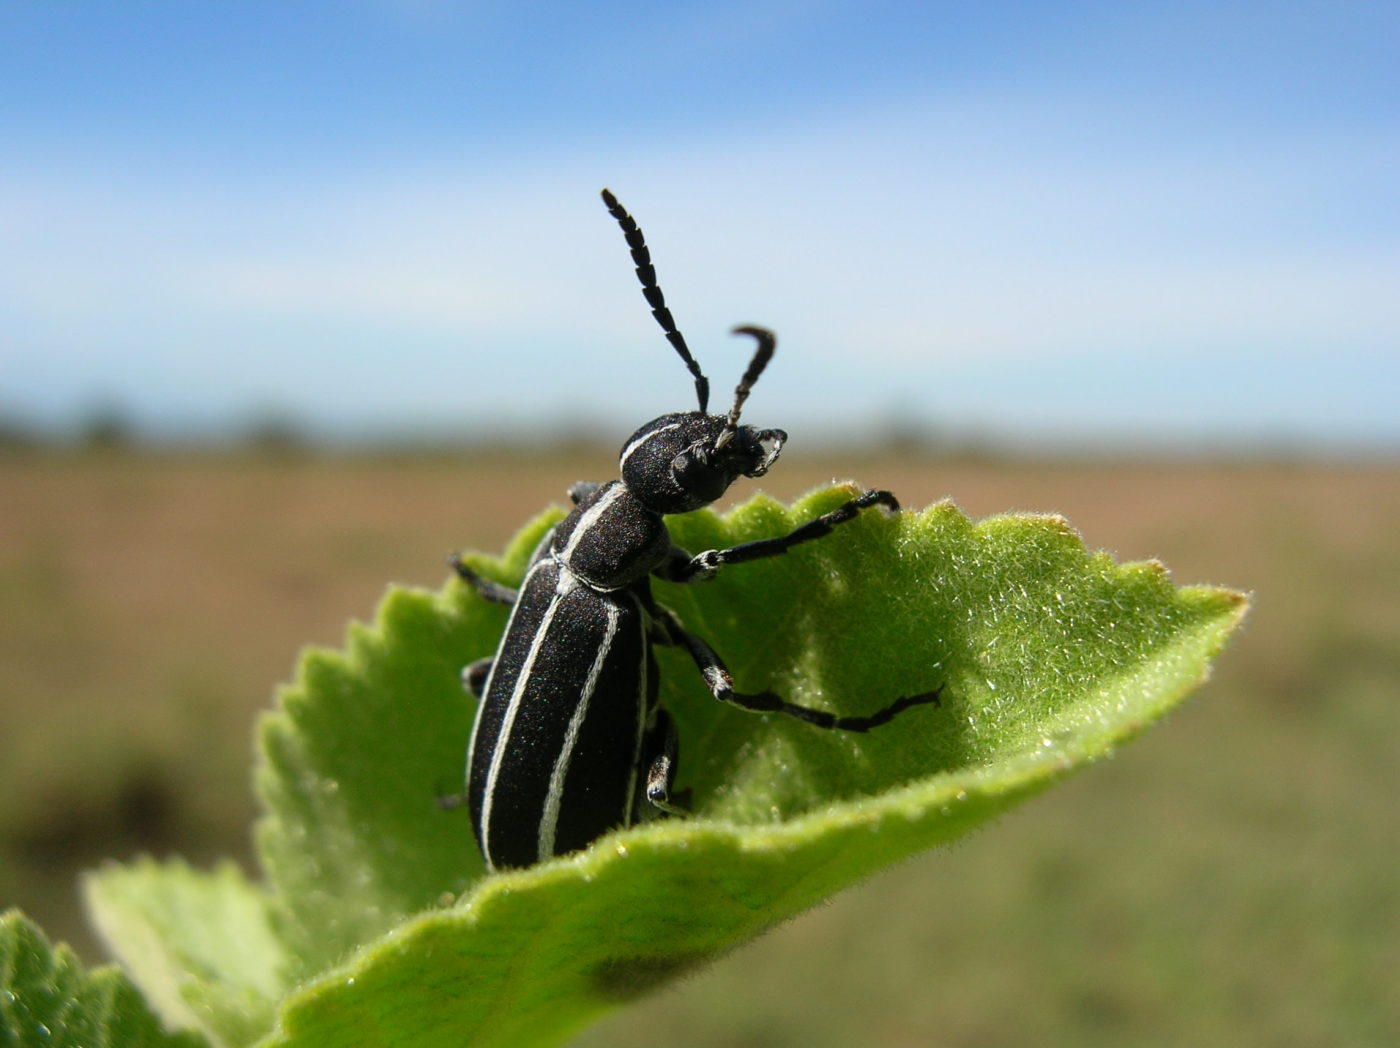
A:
474	675
677	568
659	758
581	489
492	591
721	685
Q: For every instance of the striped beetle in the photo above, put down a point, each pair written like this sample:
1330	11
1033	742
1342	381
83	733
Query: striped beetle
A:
569	739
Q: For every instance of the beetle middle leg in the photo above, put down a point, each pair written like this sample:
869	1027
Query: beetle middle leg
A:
580	490
721	684
659	749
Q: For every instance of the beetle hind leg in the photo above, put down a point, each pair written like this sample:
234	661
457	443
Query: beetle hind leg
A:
492	591
474	675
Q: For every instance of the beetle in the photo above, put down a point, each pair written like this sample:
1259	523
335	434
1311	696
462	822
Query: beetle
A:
569	741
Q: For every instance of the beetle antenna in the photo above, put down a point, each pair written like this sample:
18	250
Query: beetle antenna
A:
651	291
767	342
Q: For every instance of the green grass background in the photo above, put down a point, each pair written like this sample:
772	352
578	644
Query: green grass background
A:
1229	879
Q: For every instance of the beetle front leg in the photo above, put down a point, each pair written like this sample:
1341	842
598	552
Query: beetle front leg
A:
681	567
721	684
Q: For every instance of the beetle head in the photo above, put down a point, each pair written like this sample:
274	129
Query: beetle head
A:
678	463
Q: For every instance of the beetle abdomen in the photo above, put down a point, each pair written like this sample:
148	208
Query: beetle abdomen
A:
558	735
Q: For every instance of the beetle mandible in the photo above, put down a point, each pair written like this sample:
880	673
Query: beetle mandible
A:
569	741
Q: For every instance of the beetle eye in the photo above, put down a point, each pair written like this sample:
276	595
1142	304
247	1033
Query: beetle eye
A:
695	470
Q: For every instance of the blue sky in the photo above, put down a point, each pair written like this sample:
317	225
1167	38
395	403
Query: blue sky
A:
1100	224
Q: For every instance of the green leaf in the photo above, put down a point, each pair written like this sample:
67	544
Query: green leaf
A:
200	944
47	999
1049	657
363	745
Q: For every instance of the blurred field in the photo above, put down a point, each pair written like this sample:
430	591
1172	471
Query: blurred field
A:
1233	878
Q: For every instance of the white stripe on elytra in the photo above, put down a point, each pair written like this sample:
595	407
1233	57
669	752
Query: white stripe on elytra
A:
587	521
622	462
565	584
496	662
550	821
643	694
538	559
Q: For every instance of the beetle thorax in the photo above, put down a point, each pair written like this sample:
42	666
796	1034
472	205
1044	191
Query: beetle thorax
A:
611	540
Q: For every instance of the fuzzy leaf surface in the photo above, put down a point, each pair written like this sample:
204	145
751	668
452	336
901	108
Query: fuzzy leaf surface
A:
1050	657
46	998
199	943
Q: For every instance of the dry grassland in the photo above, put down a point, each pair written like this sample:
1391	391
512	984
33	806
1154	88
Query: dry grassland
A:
1230	880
